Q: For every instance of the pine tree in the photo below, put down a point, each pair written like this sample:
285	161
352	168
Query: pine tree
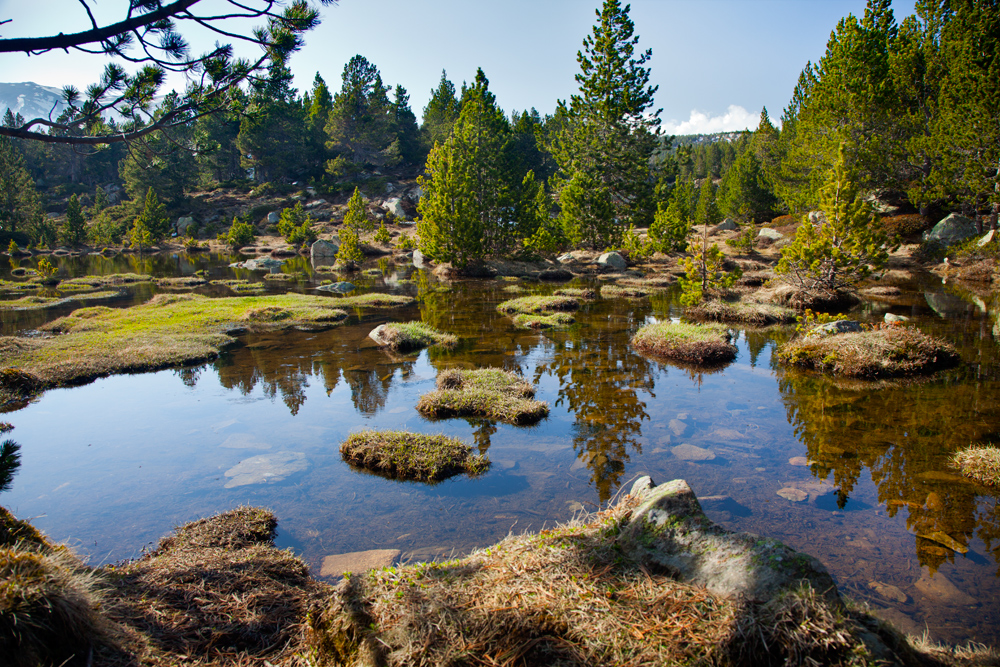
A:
707	213
468	184
746	193
356	219
362	125
20	209
140	236
273	132
604	151
74	230
154	216
411	148
440	113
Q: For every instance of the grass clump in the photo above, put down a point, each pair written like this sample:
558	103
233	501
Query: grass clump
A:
979	463
538	304
584	293
169	330
409	336
532	321
181	282
624	292
35	302
108	280
882	352
487	393
241	286
700	344
413	456
741	312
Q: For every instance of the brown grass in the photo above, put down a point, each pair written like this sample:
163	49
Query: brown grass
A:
488	393
979	463
755	314
414	456
884	352
701	344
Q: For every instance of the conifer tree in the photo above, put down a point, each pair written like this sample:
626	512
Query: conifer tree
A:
440	113
362	125
356	219
74	230
154	216
140	236
746	193
604	150
407	133
707	213
19	206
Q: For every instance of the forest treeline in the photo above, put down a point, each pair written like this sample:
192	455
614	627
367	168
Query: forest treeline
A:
913	107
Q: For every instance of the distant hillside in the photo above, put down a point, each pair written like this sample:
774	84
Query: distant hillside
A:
31	100
701	139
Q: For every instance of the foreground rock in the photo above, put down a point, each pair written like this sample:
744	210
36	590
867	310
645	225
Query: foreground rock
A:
953	229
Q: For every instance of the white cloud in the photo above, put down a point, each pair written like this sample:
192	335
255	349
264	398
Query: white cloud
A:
735	119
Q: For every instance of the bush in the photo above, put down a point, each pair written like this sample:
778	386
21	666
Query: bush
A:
349	255
382	235
239	234
905	226
406	242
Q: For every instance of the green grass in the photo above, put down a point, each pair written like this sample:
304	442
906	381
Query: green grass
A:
181	282
700	344
979	463
538	304
624	292
886	352
284	277
488	393
111	279
740	312
242	286
409	336
413	456
530	321
169	330
577	293
44	302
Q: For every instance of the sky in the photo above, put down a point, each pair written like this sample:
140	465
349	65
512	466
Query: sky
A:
716	62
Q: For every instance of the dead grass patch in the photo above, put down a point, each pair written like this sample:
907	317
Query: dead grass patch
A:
624	292
181	282
884	352
979	463
742	312
584	293
701	344
413	456
409	336
487	393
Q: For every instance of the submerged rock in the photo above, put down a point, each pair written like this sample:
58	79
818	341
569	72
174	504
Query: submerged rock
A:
692	453
342	287
793	494
669	531
260	264
266	468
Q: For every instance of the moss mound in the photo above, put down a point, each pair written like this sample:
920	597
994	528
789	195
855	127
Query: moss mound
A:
700	344
883	352
979	463
538	304
531	321
413	456
108	280
409	336
741	312
488	393
169	330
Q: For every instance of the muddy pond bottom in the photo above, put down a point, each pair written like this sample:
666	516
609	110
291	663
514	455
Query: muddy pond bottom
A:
854	474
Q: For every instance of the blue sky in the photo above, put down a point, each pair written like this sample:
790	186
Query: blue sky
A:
717	62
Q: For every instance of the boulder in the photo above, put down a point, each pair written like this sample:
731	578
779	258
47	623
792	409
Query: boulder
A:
342	287
284	251
726	225
419	260
889	318
613	260
322	250
316	204
669	532
834	328
261	264
183	224
273	217
953	229
987	237
817	217
395	207
565	258
377	335
770	233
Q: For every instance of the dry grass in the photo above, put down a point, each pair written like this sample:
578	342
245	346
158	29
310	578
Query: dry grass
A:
488	393
409	336
624	291
979	463
742	312
538	304
569	596
970	654
242	286
702	344
413	456
577	293
884	352
801	299
169	330
531	321
181	282
216	592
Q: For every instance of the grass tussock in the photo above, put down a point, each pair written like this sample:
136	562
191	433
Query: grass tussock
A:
584	293
487	393
884	352
169	330
409	336
531	321
241	286
979	463
567	596
215	592
412	456
35	302
700	344
181	282
970	654
109	280
538	304
741	312
624	291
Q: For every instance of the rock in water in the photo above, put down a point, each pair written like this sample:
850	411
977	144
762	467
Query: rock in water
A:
940	588
262	264
419	260
677	427
889	318
833	328
266	468
953	229
888	591
692	453
613	260
322	250
793	494
343	287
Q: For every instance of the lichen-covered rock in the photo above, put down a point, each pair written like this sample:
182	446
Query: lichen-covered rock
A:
953	229
613	260
668	531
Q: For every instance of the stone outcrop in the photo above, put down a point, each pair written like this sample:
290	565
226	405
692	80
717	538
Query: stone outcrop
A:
613	260
770	233
322	251
669	532
953	229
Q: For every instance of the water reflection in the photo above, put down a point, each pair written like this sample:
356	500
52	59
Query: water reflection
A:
10	461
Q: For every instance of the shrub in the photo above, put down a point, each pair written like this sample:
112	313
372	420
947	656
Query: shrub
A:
746	241
906	226
406	242
295	225
635	248
239	234
404	455
47	271
12	249
704	272
382	235
784	221
349	255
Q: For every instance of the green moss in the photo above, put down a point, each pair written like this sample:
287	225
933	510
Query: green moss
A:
538	304
703	344
241	286
489	393
405	455
169	330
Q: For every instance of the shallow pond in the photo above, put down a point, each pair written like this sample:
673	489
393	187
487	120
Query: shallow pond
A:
114	465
